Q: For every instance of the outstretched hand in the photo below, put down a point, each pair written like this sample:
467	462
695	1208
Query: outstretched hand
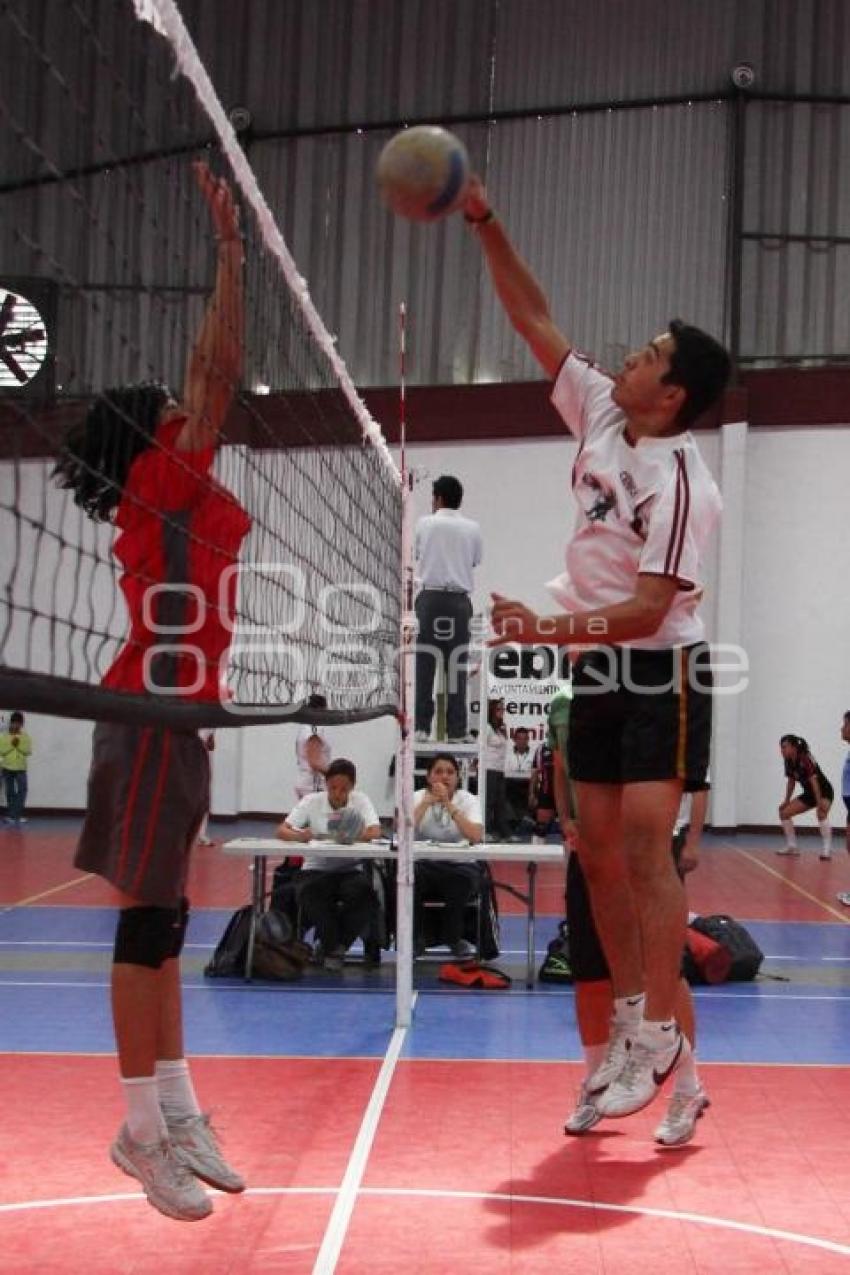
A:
513	622
475	205
222	205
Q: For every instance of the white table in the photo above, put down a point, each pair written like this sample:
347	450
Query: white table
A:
261	849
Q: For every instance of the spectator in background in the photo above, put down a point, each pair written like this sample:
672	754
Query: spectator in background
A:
335	895
15	752
816	794
845	792
448	548
518	775
208	738
495	757
312	754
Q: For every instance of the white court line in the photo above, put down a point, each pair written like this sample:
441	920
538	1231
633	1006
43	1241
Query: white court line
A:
304	990
337	1226
699	1219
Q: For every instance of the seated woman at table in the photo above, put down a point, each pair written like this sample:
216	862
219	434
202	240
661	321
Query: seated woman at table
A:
445	812
334	895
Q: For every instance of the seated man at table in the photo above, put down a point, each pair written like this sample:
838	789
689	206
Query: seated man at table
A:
335	895
444	812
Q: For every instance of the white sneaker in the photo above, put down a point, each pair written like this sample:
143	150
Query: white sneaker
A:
619	1044
585	1115
825	854
195	1145
421	737
461	739
645	1072
166	1181
792	850
679	1124
844	898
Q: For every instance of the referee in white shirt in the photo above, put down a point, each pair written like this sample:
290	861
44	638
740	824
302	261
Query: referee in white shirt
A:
448	548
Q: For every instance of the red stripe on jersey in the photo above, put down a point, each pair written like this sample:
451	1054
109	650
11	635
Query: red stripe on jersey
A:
683	472
681	509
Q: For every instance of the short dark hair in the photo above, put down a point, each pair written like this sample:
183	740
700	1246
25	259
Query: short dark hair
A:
98	451
449	490
521	730
342	766
317	701
449	757
17	716
700	365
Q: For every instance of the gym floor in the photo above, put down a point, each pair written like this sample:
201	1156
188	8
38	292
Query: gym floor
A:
438	1149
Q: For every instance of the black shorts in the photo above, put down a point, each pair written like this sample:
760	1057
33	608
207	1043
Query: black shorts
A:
148	791
808	798
639	716
847	804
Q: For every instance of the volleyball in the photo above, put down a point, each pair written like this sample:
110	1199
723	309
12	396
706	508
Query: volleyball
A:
423	173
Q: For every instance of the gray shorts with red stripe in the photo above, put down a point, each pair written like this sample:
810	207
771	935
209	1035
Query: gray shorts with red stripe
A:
148	792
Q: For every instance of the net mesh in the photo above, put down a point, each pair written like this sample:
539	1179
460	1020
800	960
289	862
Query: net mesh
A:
107	270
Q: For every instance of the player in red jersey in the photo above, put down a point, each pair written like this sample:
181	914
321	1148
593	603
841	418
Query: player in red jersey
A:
143	460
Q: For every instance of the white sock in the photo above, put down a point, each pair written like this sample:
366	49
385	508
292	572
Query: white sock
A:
790	834
145	1121
594	1057
657	1035
687	1080
176	1091
825	835
628	1010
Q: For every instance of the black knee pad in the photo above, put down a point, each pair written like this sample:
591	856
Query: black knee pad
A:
147	936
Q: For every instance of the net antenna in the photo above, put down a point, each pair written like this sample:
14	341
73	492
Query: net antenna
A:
114	261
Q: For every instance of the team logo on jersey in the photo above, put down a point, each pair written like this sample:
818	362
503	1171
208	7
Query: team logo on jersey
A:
628	482
604	499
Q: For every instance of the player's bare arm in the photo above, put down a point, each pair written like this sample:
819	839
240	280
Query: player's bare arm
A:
637	617
516	286
215	363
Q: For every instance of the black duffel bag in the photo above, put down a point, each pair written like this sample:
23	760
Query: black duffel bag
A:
747	956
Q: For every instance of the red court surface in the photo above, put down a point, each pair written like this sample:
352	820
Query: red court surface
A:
741	874
468	1172
464	1166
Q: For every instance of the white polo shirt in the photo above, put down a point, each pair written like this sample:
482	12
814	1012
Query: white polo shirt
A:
438	825
448	547
644	507
314	812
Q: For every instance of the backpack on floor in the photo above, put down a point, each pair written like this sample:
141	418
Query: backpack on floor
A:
278	954
228	959
556	966
746	955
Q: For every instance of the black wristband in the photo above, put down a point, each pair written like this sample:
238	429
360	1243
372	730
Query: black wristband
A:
479	221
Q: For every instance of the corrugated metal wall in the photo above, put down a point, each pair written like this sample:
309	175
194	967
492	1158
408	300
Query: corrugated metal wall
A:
622	212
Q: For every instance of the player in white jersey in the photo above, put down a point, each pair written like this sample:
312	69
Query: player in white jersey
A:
641	714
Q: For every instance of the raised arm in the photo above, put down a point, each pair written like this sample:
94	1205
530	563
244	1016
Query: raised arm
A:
516	287
215	362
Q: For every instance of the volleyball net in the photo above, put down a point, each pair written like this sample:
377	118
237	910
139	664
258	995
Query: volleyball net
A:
107	276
